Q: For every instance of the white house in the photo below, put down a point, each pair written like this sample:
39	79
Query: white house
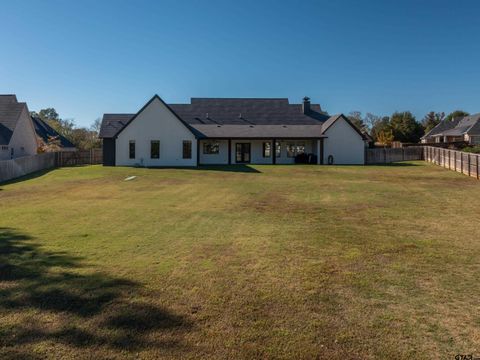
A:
230	131
17	133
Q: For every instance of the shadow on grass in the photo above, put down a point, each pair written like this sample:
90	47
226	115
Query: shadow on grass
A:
398	164
240	168
26	177
229	168
50	302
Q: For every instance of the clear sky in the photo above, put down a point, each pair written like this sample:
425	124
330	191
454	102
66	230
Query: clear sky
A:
87	57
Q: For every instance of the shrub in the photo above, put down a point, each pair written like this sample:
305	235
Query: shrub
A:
472	149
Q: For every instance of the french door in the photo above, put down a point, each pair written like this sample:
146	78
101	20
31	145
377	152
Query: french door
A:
242	153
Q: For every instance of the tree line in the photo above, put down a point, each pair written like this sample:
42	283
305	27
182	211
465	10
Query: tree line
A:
400	126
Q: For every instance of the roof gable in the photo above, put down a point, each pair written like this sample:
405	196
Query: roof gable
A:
10	111
456	127
44	131
156	97
333	119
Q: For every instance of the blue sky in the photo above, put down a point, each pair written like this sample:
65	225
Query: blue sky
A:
86	58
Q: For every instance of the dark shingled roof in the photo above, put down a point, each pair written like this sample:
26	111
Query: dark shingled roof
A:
45	131
259	131
234	117
10	110
113	123
459	126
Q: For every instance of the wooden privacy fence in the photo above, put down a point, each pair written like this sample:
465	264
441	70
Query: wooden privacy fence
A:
83	157
15	168
389	155
459	161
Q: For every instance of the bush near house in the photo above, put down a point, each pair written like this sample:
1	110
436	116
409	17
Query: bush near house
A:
472	149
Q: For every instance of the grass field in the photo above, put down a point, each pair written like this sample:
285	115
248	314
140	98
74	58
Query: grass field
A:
249	262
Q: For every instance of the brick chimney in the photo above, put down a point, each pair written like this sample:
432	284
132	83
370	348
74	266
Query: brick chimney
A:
306	105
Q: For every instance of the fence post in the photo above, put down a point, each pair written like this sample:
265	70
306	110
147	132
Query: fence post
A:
477	167
461	162
469	164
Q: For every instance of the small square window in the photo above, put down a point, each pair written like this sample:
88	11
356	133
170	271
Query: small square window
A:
290	150
300	149
211	148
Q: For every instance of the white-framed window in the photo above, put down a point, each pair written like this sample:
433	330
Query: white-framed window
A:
267	149
291	150
4	147
211	148
300	148
295	148
278	149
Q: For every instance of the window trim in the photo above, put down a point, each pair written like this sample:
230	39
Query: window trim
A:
291	154
130	143
278	149
152	142
300	144
264	149
189	153
211	144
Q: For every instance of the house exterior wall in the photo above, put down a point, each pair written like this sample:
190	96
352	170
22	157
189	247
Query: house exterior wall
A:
473	139
23	140
155	122
344	144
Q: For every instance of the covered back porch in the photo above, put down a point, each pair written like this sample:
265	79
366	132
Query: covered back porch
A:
273	151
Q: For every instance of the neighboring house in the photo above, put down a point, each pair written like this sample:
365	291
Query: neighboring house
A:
17	134
461	129
229	131
45	134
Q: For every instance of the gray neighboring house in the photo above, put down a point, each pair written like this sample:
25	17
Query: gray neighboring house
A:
461	129
17	133
229	131
46	133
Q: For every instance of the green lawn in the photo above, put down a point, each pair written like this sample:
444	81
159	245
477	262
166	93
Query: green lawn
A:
250	262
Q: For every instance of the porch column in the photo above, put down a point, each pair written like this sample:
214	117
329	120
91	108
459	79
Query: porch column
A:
318	152
274	151
229	151
198	152
321	151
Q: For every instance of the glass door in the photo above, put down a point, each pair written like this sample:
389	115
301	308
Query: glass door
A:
242	153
